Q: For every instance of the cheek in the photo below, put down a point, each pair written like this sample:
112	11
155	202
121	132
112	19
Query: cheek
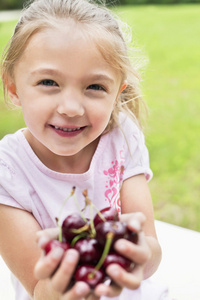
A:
34	112
29	117
101	116
32	103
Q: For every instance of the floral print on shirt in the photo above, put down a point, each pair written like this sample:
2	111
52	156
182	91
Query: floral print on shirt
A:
114	181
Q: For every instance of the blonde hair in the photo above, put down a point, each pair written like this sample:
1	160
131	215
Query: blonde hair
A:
103	27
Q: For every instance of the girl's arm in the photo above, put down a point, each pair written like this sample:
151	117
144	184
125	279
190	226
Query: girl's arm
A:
20	251
17	244
137	211
136	197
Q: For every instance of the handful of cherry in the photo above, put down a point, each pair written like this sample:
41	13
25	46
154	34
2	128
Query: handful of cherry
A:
94	240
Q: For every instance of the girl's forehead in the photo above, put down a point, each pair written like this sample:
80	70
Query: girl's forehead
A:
64	32
65	46
62	29
62	38
68	38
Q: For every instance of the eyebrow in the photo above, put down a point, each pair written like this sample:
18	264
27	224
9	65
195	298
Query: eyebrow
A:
46	71
101	77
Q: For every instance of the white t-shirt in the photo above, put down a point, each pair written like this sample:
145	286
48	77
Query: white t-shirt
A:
26	183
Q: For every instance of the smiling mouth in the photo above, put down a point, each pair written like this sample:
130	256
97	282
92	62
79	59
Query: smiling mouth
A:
67	129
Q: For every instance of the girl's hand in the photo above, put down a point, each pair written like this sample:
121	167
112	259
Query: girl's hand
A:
139	254
67	262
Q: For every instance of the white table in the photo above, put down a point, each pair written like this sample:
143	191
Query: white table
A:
180	266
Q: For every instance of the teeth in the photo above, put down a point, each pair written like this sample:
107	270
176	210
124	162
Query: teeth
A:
67	129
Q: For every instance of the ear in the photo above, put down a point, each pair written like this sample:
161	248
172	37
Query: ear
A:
124	85
121	89
12	92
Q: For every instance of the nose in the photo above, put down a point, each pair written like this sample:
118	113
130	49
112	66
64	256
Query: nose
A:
71	104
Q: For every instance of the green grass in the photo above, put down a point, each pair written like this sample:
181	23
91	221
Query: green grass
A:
10	120
169	36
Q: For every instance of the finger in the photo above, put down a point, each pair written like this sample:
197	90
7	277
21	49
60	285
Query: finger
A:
47	264
91	296
111	290
79	291
135	221
44	236
63	275
138	253
125	279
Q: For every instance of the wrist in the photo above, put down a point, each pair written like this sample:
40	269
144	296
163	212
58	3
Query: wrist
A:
44	290
155	259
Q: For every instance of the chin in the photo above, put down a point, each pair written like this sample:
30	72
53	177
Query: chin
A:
63	153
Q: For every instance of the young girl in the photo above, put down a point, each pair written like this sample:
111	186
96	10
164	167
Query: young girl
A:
67	66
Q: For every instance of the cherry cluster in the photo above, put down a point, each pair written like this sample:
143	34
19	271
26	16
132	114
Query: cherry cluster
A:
94	240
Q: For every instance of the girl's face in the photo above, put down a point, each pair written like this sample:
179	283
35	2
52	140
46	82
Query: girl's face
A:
67	92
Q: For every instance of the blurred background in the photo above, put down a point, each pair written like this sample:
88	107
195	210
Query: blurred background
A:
168	32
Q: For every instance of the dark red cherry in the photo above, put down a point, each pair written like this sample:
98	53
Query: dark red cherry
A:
116	258
73	221
90	275
54	244
118	229
132	236
109	213
89	250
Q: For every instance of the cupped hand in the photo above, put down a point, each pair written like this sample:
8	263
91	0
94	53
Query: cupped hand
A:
59	267
139	254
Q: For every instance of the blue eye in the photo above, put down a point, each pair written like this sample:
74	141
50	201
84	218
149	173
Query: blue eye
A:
48	82
96	87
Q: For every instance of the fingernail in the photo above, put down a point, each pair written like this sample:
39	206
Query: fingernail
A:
120	245
57	252
71	255
43	241
101	290
113	270
81	288
135	225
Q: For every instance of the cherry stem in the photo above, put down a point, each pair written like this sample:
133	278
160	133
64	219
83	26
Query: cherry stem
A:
91	275
93	231
89	202
109	239
81	229
100	214
79	209
78	237
60	213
